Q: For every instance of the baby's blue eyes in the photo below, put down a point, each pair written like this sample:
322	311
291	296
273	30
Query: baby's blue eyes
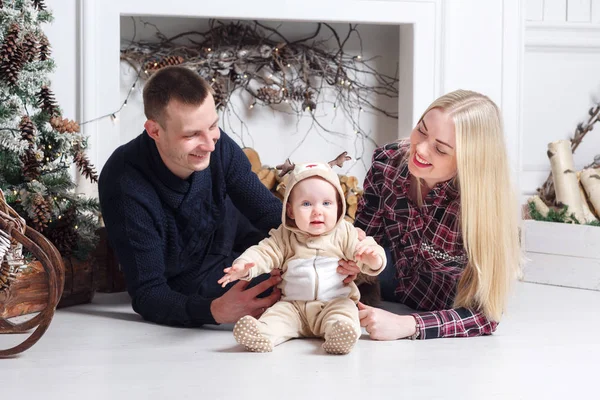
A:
307	203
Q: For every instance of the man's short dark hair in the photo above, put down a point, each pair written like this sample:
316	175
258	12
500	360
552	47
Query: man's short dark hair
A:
173	83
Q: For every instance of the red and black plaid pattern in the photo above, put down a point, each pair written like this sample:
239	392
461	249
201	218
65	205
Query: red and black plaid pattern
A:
426	244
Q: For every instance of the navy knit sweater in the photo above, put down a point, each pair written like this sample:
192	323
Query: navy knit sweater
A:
162	227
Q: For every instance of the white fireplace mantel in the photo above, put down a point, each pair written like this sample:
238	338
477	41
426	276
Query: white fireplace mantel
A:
444	45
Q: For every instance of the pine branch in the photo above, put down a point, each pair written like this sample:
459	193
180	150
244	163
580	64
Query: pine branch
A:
88	204
87	226
59	182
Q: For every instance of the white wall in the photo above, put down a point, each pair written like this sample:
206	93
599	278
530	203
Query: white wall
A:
63	37
561	81
475	45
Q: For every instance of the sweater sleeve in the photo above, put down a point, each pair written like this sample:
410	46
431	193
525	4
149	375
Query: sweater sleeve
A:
247	192
266	255
350	242
135	237
369	211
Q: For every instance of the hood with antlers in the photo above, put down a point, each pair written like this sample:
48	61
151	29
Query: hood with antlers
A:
299	172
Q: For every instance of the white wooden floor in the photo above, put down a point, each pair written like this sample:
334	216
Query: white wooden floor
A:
547	347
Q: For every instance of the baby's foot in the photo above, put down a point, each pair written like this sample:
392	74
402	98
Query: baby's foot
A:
246	333
342	338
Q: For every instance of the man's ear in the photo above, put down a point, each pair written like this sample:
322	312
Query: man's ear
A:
153	128
289	211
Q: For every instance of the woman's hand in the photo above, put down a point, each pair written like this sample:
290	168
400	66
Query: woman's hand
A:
361	234
348	268
384	325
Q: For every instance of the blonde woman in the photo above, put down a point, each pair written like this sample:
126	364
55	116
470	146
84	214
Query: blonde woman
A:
443	205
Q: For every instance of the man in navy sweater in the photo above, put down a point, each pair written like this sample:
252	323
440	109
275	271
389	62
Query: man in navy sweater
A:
180	203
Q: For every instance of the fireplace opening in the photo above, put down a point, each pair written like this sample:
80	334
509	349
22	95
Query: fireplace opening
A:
326	123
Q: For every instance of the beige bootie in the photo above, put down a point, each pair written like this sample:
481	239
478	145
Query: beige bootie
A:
247	334
342	338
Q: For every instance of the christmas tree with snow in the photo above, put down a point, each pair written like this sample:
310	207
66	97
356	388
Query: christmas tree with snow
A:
38	146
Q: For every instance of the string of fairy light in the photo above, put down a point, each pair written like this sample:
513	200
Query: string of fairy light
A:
114	114
151	64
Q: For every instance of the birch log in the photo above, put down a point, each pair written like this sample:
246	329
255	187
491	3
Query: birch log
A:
565	178
588	214
540	206
590	179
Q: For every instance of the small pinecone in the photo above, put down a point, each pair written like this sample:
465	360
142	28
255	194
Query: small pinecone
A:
31	166
64	239
85	167
63	234
30	49
42	212
268	95
164	62
9	47
64	125
46	101
11	56
39	5
219	95
308	104
69	217
27	130
300	95
44	49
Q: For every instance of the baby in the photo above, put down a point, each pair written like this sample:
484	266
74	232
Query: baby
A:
307	246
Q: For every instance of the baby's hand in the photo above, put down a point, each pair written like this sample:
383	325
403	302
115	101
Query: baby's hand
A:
235	272
367	255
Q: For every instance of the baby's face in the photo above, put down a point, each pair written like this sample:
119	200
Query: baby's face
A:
313	206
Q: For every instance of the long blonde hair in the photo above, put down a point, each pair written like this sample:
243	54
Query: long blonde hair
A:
489	211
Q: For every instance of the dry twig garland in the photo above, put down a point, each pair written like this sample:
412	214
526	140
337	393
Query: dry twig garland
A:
249	58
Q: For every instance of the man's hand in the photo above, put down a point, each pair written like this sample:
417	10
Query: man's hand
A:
384	325
235	272
239	301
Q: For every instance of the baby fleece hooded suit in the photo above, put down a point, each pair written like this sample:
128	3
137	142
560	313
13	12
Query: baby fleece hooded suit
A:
314	302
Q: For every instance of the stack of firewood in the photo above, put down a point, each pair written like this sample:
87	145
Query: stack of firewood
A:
578	191
269	176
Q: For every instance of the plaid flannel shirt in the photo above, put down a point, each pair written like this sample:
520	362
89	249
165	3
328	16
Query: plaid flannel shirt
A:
426	244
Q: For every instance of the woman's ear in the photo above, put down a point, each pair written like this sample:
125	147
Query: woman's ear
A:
289	211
